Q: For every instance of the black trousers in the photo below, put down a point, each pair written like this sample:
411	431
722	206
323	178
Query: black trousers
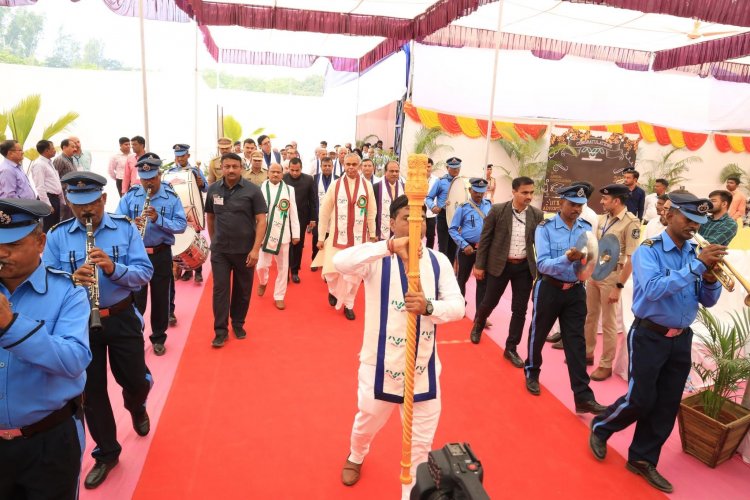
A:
519	277
659	367
118	182
54	217
465	265
295	251
431	231
122	340
446	245
160	295
230	267
44	466
315	241
569	306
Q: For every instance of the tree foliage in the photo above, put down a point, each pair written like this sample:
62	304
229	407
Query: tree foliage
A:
667	168
310	86
20	118
529	155
232	128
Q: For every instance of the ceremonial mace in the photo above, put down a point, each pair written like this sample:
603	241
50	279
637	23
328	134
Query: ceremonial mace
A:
416	192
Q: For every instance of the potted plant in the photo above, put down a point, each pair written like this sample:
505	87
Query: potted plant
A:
711	424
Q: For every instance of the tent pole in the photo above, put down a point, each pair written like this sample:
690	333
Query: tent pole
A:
195	93
498	40
143	73
356	108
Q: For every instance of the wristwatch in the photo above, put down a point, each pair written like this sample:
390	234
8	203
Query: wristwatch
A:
428	309
620	286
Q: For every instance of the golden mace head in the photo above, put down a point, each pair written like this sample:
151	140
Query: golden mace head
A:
416	178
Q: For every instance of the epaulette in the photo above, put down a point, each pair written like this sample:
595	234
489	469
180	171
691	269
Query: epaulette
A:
60	224
543	222
168	188
632	216
648	242
585	221
62	274
121	217
135	186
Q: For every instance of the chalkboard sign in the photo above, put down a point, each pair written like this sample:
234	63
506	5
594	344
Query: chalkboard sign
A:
599	158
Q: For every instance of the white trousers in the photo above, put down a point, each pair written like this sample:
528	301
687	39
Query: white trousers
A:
374	413
345	290
282	266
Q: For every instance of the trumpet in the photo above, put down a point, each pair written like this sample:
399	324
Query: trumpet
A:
724	272
146	204
95	320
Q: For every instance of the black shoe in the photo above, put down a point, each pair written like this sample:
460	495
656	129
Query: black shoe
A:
650	474
141	423
219	341
172	319
555	337
476	334
295	278
349	313
159	349
239	332
512	356
98	474
332	300
198	278
598	445
533	386
590	407
558	345
186	276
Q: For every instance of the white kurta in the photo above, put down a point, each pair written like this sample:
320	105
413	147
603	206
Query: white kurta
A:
344	289
366	262
291	231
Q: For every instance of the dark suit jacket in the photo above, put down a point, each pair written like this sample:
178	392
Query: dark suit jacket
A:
316	179
376	189
494	243
306	196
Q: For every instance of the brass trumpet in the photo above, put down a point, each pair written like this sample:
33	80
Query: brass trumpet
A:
724	272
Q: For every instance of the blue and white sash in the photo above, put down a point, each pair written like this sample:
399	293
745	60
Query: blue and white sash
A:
391	359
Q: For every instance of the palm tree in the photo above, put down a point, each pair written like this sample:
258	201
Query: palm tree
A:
232	128
425	142
666	168
732	169
529	157
20	120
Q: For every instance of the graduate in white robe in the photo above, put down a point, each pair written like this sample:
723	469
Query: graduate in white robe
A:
347	216
282	228
382	266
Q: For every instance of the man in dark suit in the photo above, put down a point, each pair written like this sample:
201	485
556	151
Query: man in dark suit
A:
321	182
306	197
505	254
387	190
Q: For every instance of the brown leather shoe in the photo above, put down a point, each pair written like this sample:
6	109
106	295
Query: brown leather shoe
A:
280	305
601	374
350	473
261	290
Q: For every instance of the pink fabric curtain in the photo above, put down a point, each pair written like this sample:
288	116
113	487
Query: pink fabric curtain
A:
706	52
438	15
734	12
544	48
157	10
16	3
725	71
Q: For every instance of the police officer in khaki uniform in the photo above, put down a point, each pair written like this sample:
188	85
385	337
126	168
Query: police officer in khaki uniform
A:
603	297
214	168
255	173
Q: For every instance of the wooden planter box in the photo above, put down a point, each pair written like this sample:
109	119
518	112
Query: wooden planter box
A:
709	440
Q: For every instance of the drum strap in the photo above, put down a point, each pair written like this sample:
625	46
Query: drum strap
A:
477	209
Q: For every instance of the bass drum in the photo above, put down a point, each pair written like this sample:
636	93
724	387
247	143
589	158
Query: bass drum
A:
190	249
458	193
183	183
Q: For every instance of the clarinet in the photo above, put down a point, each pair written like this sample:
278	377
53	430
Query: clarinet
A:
95	320
146	204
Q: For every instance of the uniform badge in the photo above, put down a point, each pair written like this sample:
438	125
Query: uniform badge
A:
648	243
146	168
581	193
703	208
636	233
81	184
5	218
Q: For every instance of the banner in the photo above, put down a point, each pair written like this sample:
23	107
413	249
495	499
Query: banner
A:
598	158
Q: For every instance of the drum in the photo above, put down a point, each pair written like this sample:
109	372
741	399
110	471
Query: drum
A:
458	193
190	249
183	183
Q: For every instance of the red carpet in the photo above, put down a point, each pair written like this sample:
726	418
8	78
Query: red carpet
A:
270	416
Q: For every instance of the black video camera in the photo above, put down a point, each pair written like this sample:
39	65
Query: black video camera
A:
451	473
